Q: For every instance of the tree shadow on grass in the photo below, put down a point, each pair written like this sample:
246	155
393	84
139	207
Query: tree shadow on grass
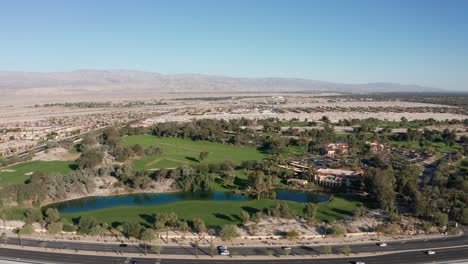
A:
250	210
242	183
148	218
236	217
73	166
222	216
116	224
192	159
342	212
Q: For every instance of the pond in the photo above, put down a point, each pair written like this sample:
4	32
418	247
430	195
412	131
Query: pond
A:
141	199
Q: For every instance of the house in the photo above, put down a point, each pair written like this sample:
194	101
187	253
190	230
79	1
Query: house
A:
300	182
334	148
339	178
375	145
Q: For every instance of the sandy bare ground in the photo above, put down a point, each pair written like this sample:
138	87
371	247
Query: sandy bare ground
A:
56	154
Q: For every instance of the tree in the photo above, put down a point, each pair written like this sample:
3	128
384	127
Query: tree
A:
4	215
195	244
327	249
110	136
440	219
245	217
292	234
380	185
4	238
138	150
147	236
183	227
88	142
90	159
325	119
211	232
159	226
87	224
203	155
258	182
131	229
199	225
465	216
228	232
52	215
346	250
310	211
55	228
156	249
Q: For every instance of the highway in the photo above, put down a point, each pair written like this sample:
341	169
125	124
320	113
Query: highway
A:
443	255
447	248
247	251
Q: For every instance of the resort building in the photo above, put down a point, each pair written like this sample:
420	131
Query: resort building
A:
339	178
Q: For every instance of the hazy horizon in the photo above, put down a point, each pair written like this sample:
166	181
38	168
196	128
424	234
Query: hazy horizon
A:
419	43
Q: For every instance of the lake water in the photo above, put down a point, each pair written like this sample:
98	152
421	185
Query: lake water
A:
142	199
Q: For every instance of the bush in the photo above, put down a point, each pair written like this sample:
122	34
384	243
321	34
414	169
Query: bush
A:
55	228
90	158
229	232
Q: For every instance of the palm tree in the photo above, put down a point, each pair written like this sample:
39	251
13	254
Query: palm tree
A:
147	236
167	229
211	232
312	173
183	226
3	216
158	226
4	238
195	243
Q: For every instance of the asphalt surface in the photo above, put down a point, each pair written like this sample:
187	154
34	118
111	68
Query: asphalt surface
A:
247	251
454	247
442	255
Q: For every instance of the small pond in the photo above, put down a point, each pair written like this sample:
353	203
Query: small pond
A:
141	199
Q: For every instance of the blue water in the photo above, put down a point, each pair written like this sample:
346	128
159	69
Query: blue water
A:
142	199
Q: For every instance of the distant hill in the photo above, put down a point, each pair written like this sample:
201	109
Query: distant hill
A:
123	82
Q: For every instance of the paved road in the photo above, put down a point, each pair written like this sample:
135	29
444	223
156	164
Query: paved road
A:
442	256
456	252
247	251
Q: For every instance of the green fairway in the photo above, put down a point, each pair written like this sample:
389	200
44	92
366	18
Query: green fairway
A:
178	152
21	172
214	213
440	147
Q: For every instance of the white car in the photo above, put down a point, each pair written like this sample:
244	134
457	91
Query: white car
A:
222	248
382	244
430	252
286	248
224	253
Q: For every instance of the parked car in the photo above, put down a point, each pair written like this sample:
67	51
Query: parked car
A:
224	253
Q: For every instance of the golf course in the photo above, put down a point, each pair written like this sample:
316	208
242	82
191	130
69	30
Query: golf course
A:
178	152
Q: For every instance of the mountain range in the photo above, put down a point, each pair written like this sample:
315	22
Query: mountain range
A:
123	82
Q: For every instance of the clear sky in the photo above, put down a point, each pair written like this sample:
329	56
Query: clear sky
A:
406	41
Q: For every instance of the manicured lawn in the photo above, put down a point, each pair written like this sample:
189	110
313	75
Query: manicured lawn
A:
178	152
214	213
437	146
21	172
295	124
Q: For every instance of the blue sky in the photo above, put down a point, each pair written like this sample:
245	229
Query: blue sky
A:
407	41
